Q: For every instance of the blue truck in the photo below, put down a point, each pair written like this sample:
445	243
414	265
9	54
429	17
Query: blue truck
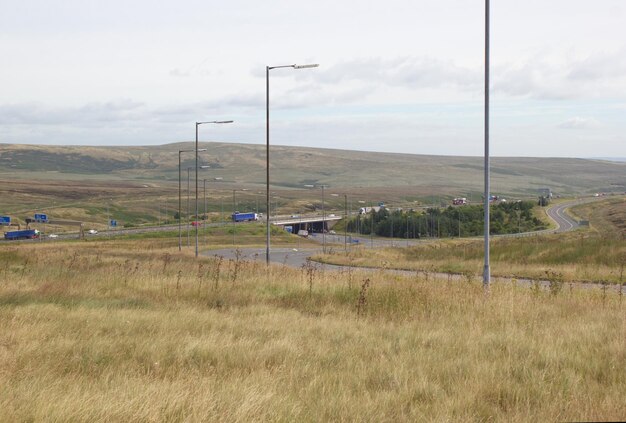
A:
244	217
23	234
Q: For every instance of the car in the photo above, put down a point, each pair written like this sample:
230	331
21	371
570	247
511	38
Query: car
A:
295	216
332	232
331	215
53	236
196	223
92	232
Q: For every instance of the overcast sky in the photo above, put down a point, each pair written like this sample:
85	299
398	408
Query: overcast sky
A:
394	75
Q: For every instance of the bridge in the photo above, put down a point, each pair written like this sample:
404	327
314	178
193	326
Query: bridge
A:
308	223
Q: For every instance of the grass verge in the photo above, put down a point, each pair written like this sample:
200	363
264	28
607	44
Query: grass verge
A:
134	331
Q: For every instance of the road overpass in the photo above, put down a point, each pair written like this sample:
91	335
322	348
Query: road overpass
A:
307	223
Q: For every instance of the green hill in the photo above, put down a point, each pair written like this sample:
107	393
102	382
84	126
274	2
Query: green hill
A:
293	167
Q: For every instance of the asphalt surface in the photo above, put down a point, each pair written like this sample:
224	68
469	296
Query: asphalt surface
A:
557	213
564	222
297	257
292	257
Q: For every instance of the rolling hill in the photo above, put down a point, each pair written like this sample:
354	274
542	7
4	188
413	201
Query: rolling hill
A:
293	167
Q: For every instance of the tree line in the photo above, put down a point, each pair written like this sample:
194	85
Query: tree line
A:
462	221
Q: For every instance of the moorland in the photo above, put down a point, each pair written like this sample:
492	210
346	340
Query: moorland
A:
129	328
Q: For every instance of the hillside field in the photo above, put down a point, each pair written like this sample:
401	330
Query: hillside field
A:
134	331
139	185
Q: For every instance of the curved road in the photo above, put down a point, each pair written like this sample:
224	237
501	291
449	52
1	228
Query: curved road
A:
556	213
564	222
297	257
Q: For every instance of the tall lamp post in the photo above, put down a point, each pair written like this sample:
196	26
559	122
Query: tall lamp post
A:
206	216
188	206
267	146
198	124
180	229
486	270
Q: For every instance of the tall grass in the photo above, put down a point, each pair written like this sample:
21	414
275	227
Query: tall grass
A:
577	256
134	331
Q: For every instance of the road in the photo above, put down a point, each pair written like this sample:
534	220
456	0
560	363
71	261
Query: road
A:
564	222
556	213
297	257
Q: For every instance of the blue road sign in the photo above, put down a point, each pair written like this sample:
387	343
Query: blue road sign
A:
5	220
113	223
41	218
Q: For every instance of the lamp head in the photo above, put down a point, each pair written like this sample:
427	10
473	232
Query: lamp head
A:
312	65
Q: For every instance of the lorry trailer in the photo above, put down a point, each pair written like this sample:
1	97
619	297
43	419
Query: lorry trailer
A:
244	217
23	234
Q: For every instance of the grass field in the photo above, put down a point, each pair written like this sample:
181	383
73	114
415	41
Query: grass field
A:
133	331
382	174
128	329
597	254
574	257
608	217
139	185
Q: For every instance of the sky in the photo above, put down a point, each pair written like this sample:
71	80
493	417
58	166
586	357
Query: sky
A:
393	76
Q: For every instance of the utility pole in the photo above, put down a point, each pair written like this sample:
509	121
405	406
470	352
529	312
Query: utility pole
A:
345	232
486	269
372	229
391	219
206	216
188	208
323	223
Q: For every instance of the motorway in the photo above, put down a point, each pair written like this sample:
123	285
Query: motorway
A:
296	257
556	213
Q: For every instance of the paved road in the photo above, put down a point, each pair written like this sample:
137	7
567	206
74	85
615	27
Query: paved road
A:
292	257
556	212
296	257
564	222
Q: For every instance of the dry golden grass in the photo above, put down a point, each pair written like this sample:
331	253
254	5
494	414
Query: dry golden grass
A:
607	217
134	331
579	256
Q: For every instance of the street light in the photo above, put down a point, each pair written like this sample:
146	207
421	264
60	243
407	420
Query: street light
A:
188	206
198	124
188	211
267	145
486	270
179	196
206	216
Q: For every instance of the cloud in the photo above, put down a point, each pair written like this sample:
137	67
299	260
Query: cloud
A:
407	72
39	114
541	76
579	123
599	66
179	73
549	77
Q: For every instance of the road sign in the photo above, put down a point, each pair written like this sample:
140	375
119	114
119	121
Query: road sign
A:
5	220
41	218
113	223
